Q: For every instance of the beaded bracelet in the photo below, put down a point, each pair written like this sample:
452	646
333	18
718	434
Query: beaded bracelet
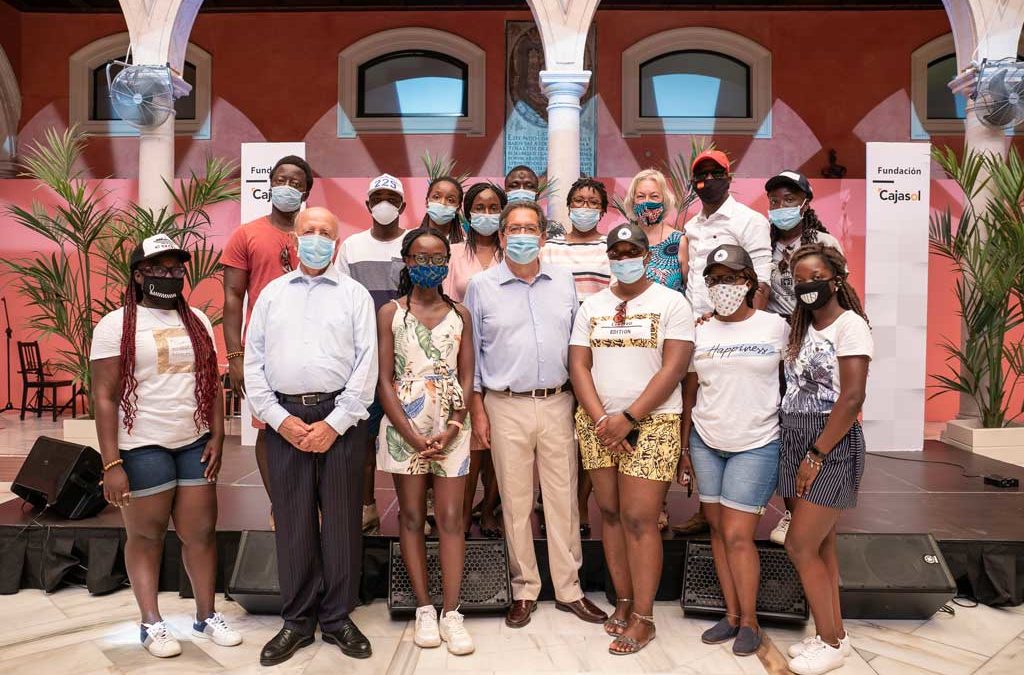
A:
111	465
235	355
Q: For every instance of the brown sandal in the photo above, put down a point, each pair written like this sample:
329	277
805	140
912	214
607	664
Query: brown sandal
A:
611	623
632	645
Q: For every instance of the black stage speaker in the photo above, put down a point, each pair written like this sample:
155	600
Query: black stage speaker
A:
892	576
63	478
254	583
780	595
485	580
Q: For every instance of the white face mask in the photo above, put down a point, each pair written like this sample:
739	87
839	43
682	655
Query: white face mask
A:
727	298
384	213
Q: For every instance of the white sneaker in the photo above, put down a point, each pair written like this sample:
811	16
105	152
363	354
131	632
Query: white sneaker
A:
778	535
216	628
797	649
453	631
817	658
426	634
159	641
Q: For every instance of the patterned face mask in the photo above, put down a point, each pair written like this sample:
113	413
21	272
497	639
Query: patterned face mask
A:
727	298
649	213
428	276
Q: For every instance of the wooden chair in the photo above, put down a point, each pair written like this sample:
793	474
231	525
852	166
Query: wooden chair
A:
35	378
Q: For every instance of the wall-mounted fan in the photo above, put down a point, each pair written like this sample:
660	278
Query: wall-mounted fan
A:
142	95
999	93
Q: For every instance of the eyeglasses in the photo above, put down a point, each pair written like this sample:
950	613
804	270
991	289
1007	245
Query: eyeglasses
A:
286	260
426	259
728	279
522	229
580	202
620	313
162	272
705	175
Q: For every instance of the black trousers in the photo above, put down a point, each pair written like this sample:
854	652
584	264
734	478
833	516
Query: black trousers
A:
318	562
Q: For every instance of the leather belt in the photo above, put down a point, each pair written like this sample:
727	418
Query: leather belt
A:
539	393
308	400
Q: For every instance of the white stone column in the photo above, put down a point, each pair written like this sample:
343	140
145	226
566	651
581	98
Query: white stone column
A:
564	90
10	115
159	31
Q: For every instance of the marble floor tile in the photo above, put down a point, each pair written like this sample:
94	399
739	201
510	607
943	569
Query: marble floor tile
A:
132	658
982	629
81	658
914	650
883	665
1009	660
330	661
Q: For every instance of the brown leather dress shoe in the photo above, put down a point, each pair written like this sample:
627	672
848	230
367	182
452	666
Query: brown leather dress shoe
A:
519	613
697	524
584	609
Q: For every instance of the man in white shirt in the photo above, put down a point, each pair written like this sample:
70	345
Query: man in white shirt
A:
310	373
723	220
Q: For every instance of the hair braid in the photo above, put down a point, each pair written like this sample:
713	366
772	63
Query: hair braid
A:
845	294
207	374
811	227
472	193
455	232
129	385
405	284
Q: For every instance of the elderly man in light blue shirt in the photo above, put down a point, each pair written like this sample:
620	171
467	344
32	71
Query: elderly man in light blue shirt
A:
522	313
310	372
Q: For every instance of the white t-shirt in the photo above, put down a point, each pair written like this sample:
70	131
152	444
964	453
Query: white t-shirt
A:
782	300
165	371
737	366
626	357
812	378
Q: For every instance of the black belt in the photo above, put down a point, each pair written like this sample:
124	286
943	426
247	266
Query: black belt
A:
538	393
308	399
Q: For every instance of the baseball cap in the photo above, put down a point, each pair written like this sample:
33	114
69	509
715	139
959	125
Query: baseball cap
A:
790	178
630	232
385	181
732	256
157	245
716	156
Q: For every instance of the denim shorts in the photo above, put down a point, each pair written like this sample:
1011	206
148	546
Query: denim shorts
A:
153	469
743	481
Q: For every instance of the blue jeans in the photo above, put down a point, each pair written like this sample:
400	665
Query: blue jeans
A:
743	481
152	468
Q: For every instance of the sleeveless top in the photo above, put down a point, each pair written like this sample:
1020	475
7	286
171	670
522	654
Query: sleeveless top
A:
664	267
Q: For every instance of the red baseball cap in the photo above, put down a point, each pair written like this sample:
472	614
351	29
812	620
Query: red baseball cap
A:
716	156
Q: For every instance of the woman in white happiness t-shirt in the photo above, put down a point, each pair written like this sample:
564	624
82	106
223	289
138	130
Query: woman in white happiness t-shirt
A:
731	420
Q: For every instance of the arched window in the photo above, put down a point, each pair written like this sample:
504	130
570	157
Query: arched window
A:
90	106
696	80
412	81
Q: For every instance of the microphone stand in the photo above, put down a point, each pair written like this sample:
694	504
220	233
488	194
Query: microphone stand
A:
9	333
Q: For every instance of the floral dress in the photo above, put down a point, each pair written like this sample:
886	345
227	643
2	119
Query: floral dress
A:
427	385
664	267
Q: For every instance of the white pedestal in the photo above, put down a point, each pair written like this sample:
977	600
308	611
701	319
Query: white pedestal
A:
1005	444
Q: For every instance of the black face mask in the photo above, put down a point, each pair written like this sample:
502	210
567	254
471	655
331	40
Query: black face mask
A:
712	190
814	294
162	292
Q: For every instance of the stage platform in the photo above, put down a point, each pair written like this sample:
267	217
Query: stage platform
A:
980	529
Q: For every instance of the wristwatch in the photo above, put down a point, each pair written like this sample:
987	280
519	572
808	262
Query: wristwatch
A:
817	454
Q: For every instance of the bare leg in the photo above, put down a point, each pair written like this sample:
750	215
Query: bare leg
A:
640	504
145	519
448	499
412	513
585	488
488	514
810	528
613	538
195	521
476	459
725	578
831	557
744	563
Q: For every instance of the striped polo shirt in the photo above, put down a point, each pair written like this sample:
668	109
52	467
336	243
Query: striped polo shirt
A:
373	263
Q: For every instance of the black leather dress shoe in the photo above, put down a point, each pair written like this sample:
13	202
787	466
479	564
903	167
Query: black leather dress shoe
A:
283	646
350	640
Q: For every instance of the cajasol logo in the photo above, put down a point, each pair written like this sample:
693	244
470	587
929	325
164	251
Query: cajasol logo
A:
889	194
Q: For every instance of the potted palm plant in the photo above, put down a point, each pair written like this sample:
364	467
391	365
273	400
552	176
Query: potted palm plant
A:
986	247
71	288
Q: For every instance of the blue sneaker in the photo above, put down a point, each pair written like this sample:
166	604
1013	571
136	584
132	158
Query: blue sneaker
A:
723	631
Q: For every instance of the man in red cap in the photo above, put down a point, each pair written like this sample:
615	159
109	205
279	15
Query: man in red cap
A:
722	220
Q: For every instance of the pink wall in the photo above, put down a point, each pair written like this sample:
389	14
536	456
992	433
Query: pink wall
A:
839	204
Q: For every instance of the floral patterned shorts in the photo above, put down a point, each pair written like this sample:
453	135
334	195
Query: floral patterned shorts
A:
655	456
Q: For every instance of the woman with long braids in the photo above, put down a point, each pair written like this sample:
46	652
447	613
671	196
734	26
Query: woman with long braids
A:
822	454
444	201
425	348
793	224
482	205
160	419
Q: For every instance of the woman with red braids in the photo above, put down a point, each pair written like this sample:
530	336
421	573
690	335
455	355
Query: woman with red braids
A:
160	420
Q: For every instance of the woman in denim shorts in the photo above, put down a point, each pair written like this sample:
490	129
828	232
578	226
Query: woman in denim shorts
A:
160	420
731	419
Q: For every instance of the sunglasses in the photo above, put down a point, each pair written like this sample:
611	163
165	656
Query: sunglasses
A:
160	271
706	175
620	313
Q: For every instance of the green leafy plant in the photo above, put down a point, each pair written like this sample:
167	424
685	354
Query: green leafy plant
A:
94	237
986	247
442	165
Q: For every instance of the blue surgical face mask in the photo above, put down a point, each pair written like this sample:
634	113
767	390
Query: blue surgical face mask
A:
786	218
584	220
627	271
522	248
285	198
428	276
522	196
485	224
315	251
440	213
